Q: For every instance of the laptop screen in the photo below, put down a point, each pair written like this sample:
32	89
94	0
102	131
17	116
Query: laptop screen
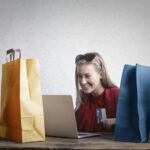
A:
59	116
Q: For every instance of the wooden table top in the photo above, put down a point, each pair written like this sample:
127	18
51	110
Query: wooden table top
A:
92	143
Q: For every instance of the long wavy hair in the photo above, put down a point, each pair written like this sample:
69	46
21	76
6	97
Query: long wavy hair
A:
97	60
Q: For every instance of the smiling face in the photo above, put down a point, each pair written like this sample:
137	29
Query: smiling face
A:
89	79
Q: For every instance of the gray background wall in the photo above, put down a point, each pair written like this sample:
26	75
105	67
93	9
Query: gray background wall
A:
55	31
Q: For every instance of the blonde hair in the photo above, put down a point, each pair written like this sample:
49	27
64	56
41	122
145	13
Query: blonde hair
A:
96	59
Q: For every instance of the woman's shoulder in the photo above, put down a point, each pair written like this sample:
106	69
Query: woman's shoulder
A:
114	91
111	95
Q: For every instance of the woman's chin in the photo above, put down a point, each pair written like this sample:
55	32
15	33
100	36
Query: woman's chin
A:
87	91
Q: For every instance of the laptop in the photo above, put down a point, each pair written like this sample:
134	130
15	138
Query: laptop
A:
59	116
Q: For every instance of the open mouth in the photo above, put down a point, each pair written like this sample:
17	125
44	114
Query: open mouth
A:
85	88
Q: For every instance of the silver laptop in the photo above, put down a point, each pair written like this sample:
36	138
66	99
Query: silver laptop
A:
60	118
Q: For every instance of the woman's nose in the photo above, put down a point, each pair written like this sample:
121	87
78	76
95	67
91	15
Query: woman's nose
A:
83	81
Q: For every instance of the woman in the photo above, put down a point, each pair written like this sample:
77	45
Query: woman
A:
94	90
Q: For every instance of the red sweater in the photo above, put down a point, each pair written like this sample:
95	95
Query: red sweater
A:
86	113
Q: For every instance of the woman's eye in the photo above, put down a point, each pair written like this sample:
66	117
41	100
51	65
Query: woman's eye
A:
79	76
85	76
88	76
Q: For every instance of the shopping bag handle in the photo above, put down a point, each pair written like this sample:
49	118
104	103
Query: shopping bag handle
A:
10	52
19	51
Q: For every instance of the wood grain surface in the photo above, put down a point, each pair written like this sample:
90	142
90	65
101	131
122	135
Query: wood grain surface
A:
93	143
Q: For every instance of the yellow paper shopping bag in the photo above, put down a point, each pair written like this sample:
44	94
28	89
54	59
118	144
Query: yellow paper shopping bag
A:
21	117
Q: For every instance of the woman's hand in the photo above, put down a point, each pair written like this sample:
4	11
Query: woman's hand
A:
109	123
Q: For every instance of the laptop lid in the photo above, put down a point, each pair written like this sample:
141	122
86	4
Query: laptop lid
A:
59	116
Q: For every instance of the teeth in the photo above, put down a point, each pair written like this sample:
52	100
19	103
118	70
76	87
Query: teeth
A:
85	87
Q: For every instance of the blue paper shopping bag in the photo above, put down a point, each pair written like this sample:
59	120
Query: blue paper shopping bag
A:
133	109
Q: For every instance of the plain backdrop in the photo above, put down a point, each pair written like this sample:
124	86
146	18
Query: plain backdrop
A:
55	31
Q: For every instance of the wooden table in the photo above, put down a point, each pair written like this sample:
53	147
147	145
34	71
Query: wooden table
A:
93	143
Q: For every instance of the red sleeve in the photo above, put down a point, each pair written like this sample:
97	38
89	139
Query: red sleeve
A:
111	101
